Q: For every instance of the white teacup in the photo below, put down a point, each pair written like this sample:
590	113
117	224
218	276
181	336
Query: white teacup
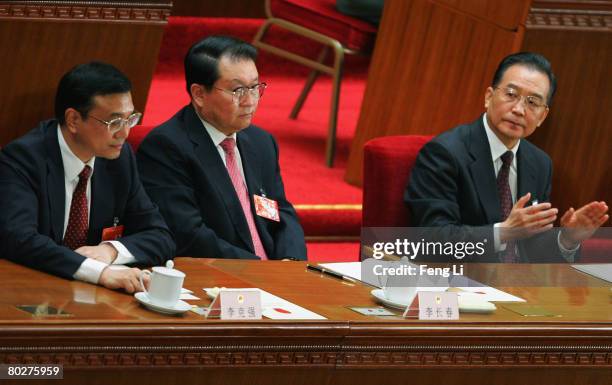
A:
165	286
399	288
400	294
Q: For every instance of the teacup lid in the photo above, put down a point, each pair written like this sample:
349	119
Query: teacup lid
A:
168	270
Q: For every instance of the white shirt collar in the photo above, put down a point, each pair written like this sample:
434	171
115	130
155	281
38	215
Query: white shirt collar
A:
216	135
498	148
72	164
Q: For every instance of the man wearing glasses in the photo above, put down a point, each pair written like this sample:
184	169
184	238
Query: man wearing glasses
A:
484	180
214	175
72	202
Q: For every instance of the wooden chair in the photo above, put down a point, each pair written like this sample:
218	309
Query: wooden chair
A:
318	20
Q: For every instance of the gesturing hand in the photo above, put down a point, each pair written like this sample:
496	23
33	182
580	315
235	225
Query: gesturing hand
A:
524	221
580	224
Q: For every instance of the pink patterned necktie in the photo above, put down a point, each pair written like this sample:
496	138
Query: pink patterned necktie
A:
505	200
228	145
78	220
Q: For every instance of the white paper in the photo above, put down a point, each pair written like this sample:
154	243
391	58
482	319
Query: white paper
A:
274	307
490	294
487	293
598	270
347	269
187	296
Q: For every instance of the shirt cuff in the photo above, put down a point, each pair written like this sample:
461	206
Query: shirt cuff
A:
568	255
90	270
497	245
123	254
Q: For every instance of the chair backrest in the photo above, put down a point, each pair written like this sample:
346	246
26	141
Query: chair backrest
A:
137	134
596	250
322	16
387	164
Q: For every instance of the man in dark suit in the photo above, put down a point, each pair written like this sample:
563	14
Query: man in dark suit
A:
216	177
484	180
72	202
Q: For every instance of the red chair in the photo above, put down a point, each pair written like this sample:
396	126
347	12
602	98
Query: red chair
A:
596	250
318	20
137	134
387	163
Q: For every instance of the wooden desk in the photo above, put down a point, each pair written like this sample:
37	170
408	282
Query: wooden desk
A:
110	338
41	40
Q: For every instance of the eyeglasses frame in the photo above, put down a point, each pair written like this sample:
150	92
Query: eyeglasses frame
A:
260	87
124	122
523	99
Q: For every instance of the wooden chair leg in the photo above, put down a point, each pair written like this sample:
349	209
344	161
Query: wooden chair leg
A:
318	67
314	74
330	147
261	32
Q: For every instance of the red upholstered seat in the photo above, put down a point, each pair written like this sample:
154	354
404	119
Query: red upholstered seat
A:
137	134
323	17
386	170
596	250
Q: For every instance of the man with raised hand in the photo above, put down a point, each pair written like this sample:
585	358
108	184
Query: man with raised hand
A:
485	180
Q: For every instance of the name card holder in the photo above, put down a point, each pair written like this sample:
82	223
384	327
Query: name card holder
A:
434	306
236	304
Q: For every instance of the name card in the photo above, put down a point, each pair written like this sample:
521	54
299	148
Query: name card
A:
438	306
240	304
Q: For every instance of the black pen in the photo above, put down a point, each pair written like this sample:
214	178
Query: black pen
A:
322	270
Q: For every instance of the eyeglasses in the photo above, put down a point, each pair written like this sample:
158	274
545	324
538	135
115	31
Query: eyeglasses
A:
117	124
510	95
238	94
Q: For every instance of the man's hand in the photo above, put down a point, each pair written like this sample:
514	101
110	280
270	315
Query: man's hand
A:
523	222
580	224
104	252
126	279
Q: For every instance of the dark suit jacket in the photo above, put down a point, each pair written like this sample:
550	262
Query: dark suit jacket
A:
453	186
183	173
33	192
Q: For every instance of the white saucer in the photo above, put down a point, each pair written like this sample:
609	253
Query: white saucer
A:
179	308
467	304
379	294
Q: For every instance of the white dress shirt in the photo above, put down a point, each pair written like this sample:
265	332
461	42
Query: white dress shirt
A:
497	150
218	137
91	269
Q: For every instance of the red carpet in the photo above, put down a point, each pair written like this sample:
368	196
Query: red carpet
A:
327	206
333	251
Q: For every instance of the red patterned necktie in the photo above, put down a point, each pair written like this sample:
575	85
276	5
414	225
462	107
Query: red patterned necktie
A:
228	146
505	200
78	220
